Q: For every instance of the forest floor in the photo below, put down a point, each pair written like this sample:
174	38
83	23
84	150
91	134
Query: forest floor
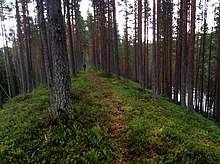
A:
114	122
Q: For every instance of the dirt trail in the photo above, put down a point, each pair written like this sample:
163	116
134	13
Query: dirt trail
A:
117	122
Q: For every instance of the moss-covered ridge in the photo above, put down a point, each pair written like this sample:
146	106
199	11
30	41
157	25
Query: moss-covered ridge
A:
114	122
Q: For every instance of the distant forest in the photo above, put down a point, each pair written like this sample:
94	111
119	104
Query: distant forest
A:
181	62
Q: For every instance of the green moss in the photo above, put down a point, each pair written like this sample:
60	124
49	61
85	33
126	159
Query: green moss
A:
156	131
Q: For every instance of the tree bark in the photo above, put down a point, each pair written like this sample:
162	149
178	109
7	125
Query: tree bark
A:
154	56
183	53
190	71
140	51
217	96
203	60
59	54
45	49
208	107
21	52
135	43
170	52
126	54
177	64
116	59
70	37
146	18
26	47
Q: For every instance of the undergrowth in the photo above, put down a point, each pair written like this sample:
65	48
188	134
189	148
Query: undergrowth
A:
28	136
156	131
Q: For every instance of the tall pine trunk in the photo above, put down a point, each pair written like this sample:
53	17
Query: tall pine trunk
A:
140	51
183	52
126	54
45	49
190	70
59	54
177	64
203	61
21	51
70	37
135	43
116	59
26	47
159	74
217	96
154	56
208	104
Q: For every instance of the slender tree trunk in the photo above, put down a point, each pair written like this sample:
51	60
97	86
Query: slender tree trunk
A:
147	78
203	61
159	74
29	40
126	56
45	49
7	74
197	73
79	55
116	59
190	71
26	47
217	96
164	48
8	63
154	56
170	50
145	39
94	45
209	75
177	64
21	52
70	37
109	38
183	53
10	73
140	50
73	39
135	42
17	64
103	36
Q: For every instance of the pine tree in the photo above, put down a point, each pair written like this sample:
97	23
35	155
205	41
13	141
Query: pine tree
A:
190	68
59	54
183	52
45	49
217	101
70	38
21	51
154	56
26	47
203	60
116	59
140	49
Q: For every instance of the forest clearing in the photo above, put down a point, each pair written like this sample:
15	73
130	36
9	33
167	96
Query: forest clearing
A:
114	122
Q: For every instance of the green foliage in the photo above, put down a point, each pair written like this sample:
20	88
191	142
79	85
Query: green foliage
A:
164	132
28	135
155	131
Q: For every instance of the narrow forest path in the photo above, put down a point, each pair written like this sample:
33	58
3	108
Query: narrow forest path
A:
116	123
